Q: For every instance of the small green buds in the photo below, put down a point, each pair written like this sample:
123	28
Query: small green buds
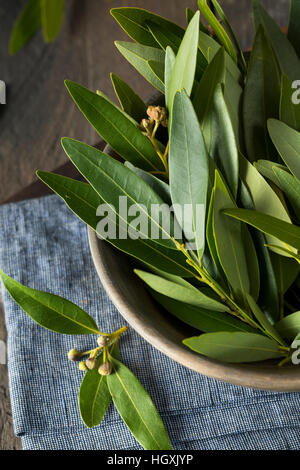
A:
102	341
92	363
82	366
74	355
105	368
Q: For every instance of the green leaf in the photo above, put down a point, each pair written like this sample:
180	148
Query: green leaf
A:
204	93
183	73
252	262
189	13
223	146
233	95
263	320
158	69
289	111
139	56
112	180
83	200
285	54
287	142
211	242
131	103
116	128
165	39
188	162
134	22
180	290
229	242
209	48
52	15
264	198
137	409
169	65
285	232
49	310
265	167
233	37
286	271
284	251
200	318
268	292
293	31
27	24
94	398
234	347
289	327
160	187
218	28
261	98
80	197
290	186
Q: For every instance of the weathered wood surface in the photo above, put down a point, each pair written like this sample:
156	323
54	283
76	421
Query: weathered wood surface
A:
39	111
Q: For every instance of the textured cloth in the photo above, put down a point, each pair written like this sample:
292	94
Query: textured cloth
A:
44	246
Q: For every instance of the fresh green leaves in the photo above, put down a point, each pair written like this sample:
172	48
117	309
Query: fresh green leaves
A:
223	143
112	180
84	201
52	15
200	318
285	54
140	57
229	242
204	93
134	22
49	310
188	162
287	142
137	409
218	28
289	327
293	30
94	398
121	132
26	26
131	103
181	290
283	231
261	98
184	68
234	347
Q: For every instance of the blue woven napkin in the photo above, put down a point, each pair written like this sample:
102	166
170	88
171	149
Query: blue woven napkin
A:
44	246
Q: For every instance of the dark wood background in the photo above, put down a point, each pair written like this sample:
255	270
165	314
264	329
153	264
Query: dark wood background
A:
39	110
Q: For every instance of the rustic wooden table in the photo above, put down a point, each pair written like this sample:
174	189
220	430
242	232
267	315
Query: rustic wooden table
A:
39	111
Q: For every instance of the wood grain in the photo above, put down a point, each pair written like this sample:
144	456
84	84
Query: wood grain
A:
39	111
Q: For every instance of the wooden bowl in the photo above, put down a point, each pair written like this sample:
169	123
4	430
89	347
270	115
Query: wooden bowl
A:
164	331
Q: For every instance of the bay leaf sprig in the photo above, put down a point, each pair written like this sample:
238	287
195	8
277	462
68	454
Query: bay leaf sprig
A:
105	376
223	134
190	148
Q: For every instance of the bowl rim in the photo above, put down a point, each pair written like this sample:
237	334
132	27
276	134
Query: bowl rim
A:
263	377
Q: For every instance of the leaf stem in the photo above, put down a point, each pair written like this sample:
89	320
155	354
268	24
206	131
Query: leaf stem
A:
205	277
